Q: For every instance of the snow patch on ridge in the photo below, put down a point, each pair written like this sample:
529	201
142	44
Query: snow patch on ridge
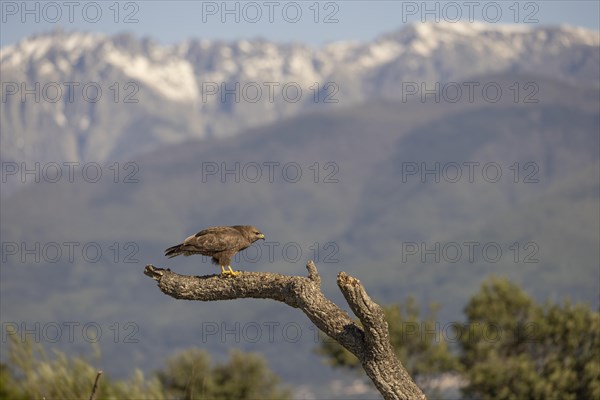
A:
173	79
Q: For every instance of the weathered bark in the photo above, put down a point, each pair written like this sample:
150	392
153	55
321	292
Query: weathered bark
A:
370	345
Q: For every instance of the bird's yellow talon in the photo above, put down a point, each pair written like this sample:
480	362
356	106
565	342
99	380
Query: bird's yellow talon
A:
231	272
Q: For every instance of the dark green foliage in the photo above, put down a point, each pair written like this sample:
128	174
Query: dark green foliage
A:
422	350
513	348
510	347
500	318
32	374
188	375
8	390
417	340
38	375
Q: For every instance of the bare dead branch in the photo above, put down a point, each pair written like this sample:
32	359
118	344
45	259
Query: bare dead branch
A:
93	395
370	345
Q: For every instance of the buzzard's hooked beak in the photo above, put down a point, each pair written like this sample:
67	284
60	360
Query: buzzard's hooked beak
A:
261	236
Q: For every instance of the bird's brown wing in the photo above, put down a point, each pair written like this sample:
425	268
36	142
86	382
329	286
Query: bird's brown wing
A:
214	241
218	230
207	244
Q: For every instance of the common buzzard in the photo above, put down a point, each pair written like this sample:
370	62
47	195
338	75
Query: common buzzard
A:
219	242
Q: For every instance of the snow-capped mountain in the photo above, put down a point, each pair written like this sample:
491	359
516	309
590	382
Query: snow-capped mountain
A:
90	97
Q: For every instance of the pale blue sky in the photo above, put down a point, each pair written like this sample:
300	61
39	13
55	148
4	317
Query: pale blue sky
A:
169	22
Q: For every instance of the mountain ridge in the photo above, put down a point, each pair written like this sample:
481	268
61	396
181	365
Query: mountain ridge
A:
176	91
